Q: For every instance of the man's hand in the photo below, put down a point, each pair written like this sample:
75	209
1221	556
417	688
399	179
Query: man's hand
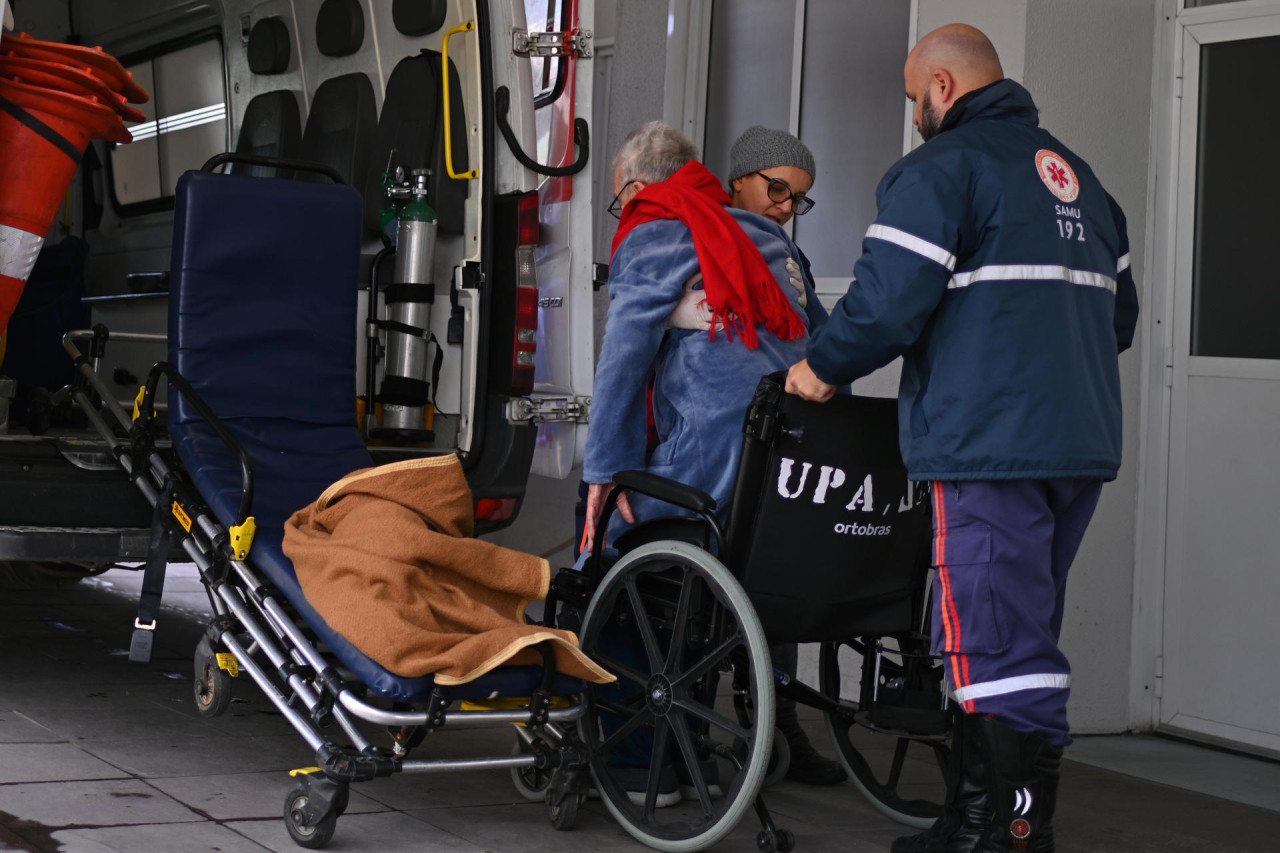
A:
596	494
804	383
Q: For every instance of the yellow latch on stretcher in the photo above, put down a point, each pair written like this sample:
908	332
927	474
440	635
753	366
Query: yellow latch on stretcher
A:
137	402
242	538
228	663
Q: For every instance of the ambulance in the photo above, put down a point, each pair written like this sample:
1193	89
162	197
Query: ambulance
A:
465	125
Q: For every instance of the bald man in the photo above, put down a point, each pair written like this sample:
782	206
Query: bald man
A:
998	268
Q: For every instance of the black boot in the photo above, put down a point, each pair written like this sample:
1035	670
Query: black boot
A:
966	814
807	764
1022	778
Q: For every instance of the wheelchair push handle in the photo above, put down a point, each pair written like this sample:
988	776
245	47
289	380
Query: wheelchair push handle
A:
671	491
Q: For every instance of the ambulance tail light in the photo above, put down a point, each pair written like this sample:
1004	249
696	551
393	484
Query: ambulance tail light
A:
525	345
496	509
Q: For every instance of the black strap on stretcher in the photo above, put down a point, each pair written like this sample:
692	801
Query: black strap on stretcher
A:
144	626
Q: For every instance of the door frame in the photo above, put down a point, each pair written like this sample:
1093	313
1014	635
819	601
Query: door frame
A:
1171	199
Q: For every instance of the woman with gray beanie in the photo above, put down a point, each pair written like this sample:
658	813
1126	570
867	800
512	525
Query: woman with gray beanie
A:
770	173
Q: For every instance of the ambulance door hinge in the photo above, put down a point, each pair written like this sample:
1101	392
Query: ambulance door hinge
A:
549	410
577	43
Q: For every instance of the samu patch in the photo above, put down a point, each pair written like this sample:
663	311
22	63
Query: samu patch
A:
1057	175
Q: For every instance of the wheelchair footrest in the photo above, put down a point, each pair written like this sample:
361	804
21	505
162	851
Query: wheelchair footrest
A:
917	712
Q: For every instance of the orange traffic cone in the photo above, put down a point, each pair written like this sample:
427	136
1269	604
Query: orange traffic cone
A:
54	99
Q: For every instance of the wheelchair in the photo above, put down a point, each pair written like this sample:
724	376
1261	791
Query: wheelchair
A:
827	542
261	385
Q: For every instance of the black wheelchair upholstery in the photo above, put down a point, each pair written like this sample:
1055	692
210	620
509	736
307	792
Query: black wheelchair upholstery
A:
826	534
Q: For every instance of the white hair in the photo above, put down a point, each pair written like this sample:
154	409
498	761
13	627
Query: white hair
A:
653	152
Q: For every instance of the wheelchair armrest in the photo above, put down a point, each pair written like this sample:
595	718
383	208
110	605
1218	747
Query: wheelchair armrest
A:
694	500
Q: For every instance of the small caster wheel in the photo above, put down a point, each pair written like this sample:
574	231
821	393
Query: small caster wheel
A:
786	841
766	841
212	686
313	836
565	815
531	782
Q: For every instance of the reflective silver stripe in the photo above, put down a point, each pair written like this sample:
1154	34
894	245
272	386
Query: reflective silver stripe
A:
1002	686
1122	264
1031	272
18	251
913	243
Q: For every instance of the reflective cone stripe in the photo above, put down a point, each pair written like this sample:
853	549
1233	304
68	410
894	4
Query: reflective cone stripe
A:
18	252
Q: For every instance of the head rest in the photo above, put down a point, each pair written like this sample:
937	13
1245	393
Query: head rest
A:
269	46
339	27
418	17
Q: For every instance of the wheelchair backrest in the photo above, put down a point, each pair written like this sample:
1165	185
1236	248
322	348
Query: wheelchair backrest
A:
826	533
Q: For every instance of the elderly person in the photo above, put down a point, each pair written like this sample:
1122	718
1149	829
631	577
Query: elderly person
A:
678	235
679	242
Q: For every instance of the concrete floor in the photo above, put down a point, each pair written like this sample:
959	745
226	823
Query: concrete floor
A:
100	754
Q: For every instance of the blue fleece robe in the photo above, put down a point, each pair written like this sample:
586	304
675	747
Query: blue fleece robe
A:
702	386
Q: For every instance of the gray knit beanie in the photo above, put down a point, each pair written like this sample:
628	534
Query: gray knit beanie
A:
760	147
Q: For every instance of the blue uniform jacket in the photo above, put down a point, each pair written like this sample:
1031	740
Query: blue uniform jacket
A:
702	387
998	267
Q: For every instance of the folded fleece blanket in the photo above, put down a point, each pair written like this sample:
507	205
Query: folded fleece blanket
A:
386	556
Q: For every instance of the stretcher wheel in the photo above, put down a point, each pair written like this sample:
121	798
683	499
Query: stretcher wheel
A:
310	835
901	773
531	782
668	619
212	686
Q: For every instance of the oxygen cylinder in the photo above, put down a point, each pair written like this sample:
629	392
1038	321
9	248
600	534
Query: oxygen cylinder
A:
406	384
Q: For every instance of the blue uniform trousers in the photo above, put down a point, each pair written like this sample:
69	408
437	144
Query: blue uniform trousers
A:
1002	549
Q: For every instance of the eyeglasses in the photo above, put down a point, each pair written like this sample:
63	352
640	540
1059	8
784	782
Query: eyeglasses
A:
615	206
780	193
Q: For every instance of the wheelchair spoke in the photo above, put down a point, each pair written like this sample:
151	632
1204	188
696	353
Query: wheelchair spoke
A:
693	765
618	668
662	730
639	719
647	634
708	661
709	715
680	623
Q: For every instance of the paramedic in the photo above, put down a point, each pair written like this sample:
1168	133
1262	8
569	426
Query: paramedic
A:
998	267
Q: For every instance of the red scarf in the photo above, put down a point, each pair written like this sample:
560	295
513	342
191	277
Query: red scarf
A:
740	287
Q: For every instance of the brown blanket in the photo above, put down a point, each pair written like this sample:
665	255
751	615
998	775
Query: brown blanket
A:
386	556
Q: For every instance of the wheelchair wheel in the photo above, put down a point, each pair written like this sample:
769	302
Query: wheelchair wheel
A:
902	773
668	619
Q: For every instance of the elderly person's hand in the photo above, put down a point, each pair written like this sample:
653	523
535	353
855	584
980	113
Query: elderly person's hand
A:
596	494
804	383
